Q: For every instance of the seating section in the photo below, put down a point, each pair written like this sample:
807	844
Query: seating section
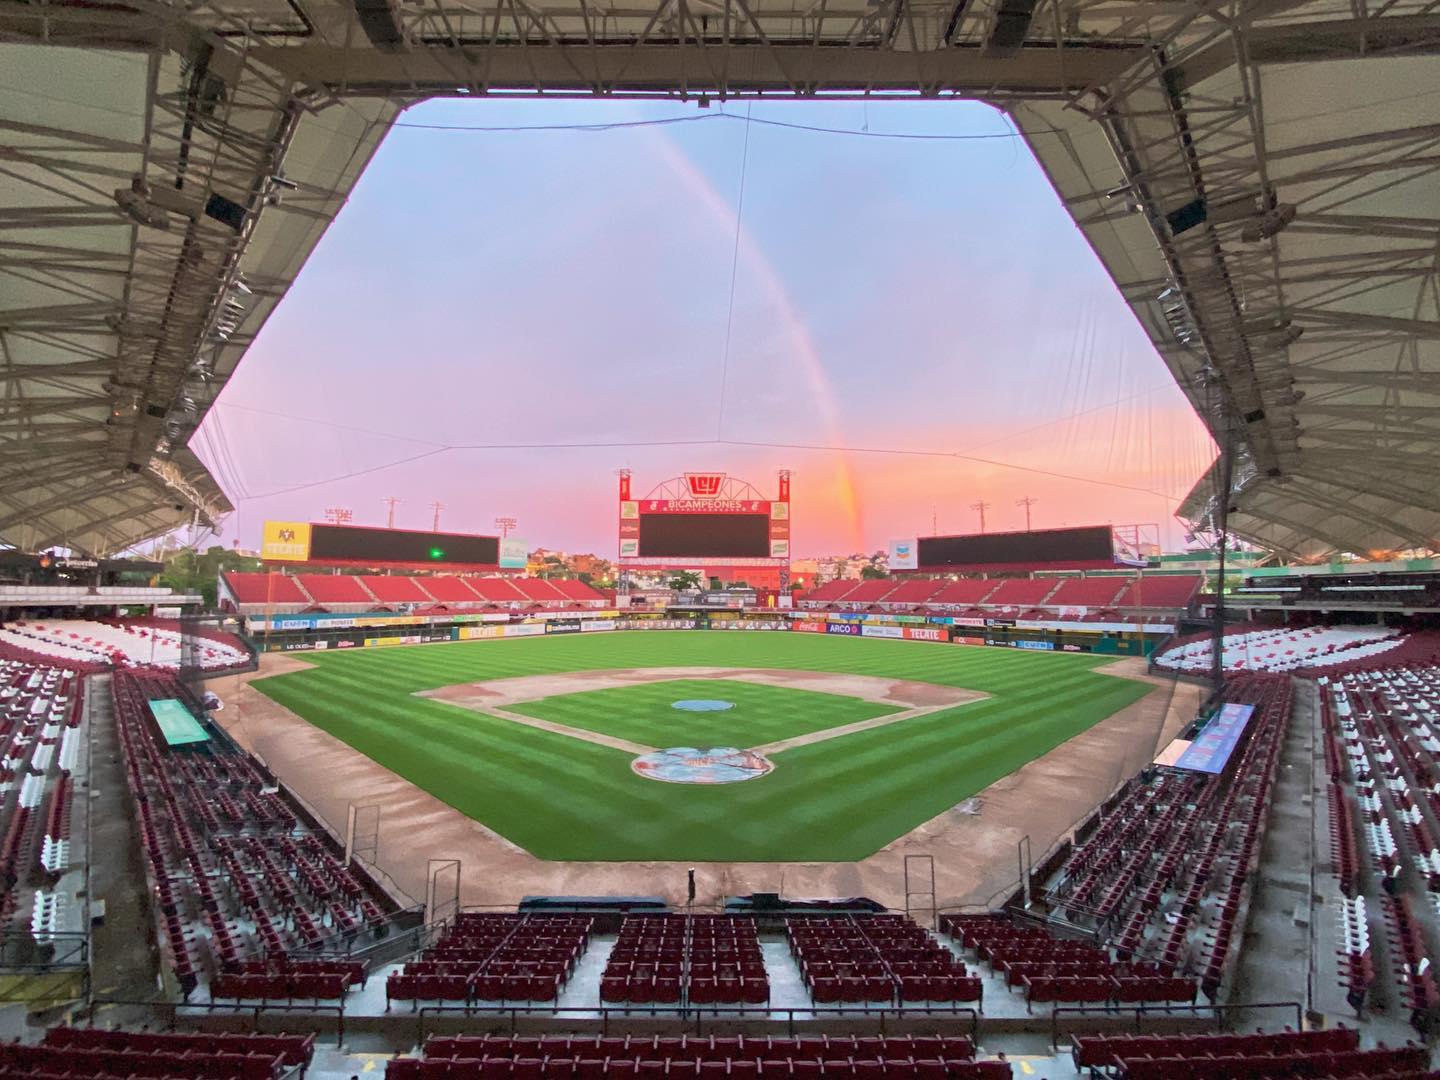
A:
1169	591
1161	874
494	958
41	737
1314	648
99	644
1333	1053
394	589
1107	598
497	590
234	875
265	589
965	592
1088	592
1379	733
878	959
92	1052
698	1057
699	961
448	589
1021	592
918	591
830	591
576	590
1054	970
345	589
538	590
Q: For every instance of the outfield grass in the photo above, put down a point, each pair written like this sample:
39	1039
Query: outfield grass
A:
565	799
646	713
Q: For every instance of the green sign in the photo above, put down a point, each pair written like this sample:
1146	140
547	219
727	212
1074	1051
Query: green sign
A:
177	726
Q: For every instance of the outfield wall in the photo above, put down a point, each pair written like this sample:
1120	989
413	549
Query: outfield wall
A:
321	631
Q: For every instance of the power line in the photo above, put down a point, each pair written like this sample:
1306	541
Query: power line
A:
734	274
621	125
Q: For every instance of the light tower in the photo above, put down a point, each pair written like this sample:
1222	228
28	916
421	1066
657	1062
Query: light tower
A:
506	524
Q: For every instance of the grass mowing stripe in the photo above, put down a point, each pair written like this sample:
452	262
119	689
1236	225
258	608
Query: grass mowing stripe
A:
563	798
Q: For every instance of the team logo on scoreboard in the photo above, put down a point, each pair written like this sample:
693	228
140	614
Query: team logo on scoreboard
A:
705	485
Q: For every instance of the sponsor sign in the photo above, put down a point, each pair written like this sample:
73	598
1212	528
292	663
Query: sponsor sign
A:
514	553
870	630
285	541
704	506
925	633
629	510
968	639
779	549
903	555
704	485
967	622
808	626
563	626
780	511
598	624
843	628
1071	648
1038	646
629	548
1214	745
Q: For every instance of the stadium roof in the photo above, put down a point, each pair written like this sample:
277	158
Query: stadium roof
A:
1258	177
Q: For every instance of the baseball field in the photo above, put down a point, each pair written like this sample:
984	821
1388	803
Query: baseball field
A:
550	769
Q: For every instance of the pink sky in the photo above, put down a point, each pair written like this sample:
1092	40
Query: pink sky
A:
485	289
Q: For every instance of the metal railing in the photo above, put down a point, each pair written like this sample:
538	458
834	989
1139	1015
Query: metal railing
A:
170	1012
1199	1010
701	1016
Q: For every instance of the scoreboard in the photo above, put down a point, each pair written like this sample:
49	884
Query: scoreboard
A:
1094	543
357	545
722	535
704	519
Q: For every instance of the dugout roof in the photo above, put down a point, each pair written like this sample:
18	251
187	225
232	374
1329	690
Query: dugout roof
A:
1258	177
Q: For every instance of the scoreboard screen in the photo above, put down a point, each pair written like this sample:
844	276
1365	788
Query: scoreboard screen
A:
346	543
356	545
1088	544
736	536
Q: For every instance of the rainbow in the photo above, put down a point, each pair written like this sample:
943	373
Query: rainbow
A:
797	331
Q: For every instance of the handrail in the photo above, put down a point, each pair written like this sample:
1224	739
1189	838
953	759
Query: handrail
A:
724	1015
1216	1009
178	1009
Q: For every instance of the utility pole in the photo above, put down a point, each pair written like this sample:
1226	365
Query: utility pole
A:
435	521
506	524
934	521
1026	502
390	501
982	506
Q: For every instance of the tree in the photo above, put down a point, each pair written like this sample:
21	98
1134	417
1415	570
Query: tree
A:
685	581
871	572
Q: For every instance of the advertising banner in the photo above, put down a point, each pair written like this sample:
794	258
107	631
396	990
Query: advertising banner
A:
1037	646
959	621
808	626
779	549
843	628
925	633
598	624
1212	749
514	553
903	555
967	639
881	631
285	541
700	506
563	626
